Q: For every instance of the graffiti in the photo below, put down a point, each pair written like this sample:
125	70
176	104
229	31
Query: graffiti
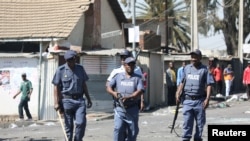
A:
4	77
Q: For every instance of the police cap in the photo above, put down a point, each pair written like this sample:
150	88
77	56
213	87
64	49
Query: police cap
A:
196	52
69	54
129	60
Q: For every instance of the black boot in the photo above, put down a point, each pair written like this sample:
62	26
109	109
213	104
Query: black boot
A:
197	139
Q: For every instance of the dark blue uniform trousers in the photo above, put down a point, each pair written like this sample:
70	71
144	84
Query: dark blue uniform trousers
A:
193	111
75	110
126	122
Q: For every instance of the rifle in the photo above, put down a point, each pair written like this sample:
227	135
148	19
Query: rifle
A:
121	102
177	107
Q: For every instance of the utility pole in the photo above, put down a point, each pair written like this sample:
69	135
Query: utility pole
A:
133	23
194	25
240	39
166	24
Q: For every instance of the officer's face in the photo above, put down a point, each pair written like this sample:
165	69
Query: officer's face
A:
129	68
24	77
195	59
123	57
71	62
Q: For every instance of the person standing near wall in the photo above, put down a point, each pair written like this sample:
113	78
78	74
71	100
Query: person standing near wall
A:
26	90
228	78
171	83
246	79
180	72
197	83
69	88
217	73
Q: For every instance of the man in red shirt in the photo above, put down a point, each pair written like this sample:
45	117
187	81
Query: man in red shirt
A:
246	79
217	73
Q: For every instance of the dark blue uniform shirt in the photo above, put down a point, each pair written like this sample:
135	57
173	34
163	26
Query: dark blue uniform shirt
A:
70	81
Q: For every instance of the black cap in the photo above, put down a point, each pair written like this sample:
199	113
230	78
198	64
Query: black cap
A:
197	52
125	53
23	74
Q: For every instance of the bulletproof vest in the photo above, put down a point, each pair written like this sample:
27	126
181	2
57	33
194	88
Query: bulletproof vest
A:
127	86
195	80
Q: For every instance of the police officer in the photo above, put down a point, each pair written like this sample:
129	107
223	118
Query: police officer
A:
196	94
130	86
69	87
137	70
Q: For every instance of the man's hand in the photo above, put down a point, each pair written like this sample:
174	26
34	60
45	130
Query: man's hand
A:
142	105
206	103
14	96
59	106
56	106
89	105
177	98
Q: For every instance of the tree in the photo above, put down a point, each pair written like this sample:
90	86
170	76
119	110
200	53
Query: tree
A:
177	10
228	25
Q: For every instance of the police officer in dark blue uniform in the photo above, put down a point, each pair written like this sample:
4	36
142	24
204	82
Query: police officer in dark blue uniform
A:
130	86
197	91
69	88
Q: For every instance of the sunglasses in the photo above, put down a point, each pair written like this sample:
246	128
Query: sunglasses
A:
131	64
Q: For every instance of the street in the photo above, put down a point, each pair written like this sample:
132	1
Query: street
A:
154	124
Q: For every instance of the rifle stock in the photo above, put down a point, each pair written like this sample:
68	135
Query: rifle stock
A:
177	107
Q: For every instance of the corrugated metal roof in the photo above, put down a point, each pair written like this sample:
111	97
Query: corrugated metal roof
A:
40	18
107	52
16	55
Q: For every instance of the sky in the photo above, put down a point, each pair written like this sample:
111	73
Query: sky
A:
213	41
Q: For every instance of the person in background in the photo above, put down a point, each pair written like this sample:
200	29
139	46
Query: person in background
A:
228	78
246	79
171	83
195	99
69	88
180	72
217	73
26	90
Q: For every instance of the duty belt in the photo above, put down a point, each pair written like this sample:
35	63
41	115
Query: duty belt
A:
192	97
73	96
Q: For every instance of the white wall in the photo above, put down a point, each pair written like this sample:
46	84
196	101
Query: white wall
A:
108	24
17	66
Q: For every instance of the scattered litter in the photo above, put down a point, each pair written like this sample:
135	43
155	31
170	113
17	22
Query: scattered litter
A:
33	125
233	98
244	97
12	125
247	112
219	96
144	123
50	124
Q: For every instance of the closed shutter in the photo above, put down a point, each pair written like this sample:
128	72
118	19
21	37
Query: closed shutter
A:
100	64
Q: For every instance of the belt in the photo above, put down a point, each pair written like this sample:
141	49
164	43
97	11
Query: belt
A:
74	96
191	97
